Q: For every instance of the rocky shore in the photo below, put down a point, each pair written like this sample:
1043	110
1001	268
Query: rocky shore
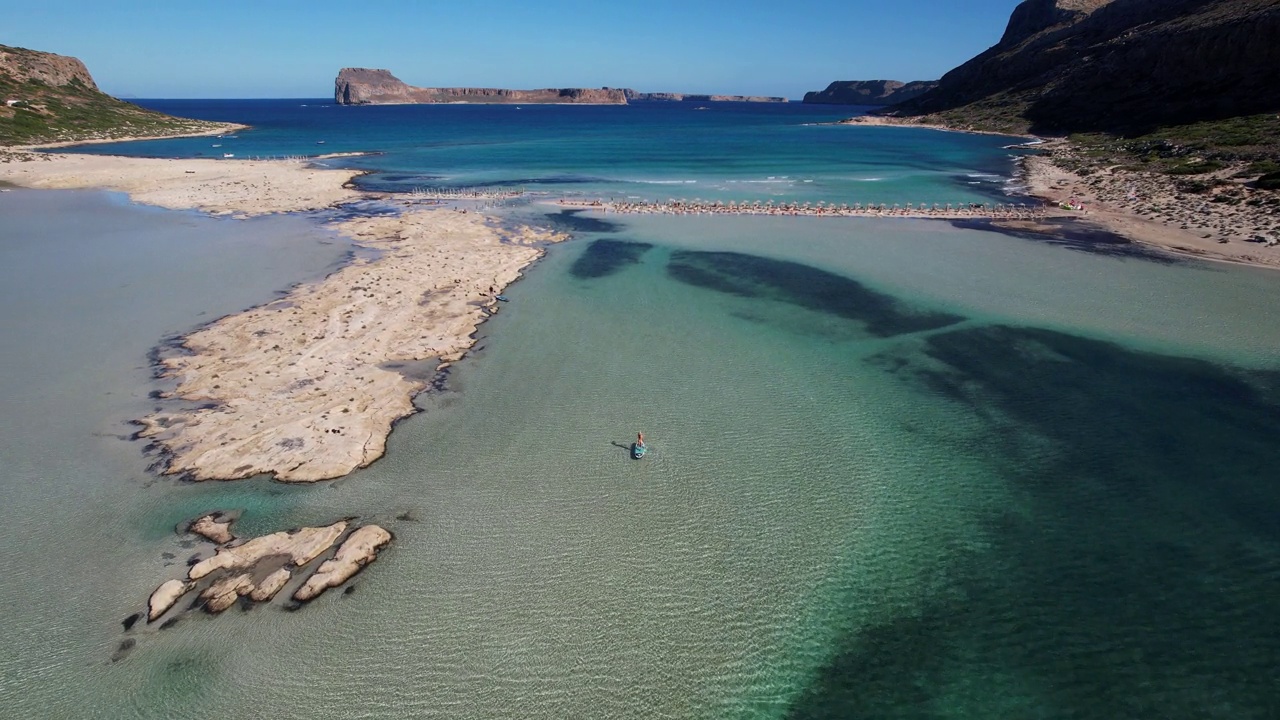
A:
1213	215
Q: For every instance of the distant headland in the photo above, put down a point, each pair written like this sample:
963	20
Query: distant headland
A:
369	86
48	98
869	92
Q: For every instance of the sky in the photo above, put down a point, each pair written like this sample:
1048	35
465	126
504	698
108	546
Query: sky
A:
292	48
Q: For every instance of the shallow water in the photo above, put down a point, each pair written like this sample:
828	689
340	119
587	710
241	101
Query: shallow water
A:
1052	498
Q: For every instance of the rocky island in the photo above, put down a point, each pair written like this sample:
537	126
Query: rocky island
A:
367	86
692	97
869	92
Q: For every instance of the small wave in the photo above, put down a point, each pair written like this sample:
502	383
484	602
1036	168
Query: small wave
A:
985	176
667	182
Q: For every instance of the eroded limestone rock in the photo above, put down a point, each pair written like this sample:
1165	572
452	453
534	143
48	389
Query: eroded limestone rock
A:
165	597
360	549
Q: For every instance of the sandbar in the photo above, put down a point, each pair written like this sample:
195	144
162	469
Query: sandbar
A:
219	187
308	387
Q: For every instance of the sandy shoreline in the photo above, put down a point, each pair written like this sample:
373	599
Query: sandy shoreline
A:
1149	208
882	121
307	387
1146	208
242	187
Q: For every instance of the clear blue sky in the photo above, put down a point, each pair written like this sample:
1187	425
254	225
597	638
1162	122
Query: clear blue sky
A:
293	48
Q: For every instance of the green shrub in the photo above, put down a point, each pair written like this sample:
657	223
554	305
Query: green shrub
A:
1197	167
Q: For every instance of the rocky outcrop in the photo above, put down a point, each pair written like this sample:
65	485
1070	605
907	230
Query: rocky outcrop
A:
165	596
869	92
257	569
688	97
359	550
1116	65
215	527
45	68
367	86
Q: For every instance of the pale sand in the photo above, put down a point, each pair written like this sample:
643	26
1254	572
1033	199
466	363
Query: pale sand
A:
241	187
1148	208
301	385
882	120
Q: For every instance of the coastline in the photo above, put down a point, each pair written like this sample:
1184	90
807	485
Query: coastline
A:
883	121
308	387
1144	208
221	129
1150	209
219	187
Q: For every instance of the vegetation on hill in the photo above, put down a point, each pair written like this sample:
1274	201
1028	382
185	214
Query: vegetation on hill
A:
1181	87
32	110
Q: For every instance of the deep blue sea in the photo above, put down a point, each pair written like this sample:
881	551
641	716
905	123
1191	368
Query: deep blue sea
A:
655	151
899	468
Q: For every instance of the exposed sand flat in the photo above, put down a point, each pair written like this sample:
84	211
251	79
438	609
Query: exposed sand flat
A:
300	384
242	187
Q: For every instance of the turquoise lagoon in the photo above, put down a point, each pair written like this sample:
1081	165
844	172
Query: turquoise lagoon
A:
898	468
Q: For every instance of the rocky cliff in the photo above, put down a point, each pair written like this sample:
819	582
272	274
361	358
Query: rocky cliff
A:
1116	65
869	92
23	66
52	98
365	86
687	97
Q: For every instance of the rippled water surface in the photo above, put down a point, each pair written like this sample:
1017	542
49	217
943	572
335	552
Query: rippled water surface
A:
898	469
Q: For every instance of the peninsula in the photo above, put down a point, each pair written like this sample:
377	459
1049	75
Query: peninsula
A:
635	95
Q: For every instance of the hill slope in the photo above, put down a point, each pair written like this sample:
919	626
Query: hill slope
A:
48	98
1126	66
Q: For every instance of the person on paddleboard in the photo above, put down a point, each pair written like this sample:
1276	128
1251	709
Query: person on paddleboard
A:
640	439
